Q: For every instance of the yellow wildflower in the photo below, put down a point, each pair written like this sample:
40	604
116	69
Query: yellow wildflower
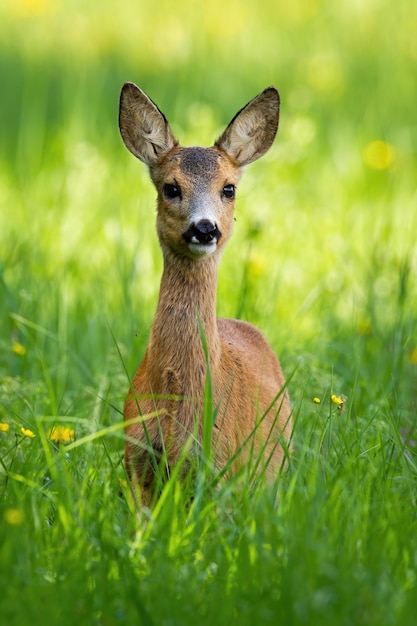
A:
340	403
14	517
4	427
256	263
364	327
412	357
316	400
27	432
61	434
379	155
33	7
17	348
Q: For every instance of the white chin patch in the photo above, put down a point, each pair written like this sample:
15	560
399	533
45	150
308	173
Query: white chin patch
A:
201	249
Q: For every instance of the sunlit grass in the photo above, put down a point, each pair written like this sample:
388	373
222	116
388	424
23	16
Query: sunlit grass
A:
323	259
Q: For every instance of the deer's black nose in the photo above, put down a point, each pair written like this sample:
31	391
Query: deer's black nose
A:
204	231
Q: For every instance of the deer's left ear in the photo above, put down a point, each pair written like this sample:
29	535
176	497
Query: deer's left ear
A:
144	128
252	131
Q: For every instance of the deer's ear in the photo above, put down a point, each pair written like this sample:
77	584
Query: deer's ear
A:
143	127
251	132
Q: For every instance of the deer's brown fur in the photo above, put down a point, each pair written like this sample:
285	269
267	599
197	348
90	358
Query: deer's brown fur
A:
246	375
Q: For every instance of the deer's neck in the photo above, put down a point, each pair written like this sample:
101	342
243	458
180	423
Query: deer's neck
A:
186	308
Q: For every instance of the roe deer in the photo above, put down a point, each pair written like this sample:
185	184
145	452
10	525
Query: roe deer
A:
196	197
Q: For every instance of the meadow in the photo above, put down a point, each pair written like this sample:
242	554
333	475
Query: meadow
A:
323	259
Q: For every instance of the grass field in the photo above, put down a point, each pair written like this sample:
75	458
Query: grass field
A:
323	259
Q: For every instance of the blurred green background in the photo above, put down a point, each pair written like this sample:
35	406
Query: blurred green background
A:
324	251
323	259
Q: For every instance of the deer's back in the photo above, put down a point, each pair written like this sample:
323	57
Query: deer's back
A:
249	344
256	377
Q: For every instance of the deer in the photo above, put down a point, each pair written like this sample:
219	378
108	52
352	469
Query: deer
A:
196	189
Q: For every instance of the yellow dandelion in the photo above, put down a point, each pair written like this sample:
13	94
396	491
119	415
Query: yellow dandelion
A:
379	155
14	517
316	400
412	357
61	434
364	327
33	7
27	432
340	403
17	348
4	428
256	263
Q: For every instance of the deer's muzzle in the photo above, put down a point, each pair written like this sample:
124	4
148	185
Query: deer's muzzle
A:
202	232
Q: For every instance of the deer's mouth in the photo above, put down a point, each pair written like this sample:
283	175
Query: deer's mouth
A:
201	249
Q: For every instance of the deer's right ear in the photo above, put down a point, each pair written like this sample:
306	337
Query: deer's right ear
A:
144	128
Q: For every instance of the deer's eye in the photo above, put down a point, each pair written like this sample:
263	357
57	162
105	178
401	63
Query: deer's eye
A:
172	191
229	191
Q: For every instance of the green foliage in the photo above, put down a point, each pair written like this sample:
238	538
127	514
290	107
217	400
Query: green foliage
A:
323	259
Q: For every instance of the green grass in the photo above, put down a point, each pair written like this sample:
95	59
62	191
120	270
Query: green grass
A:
323	259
